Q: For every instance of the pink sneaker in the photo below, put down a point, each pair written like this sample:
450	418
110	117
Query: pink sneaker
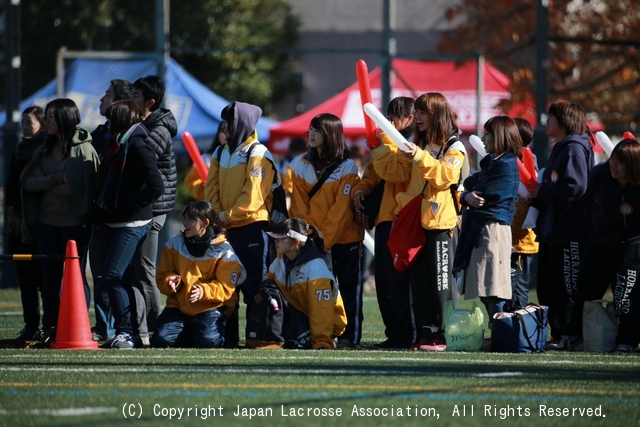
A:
423	344
417	346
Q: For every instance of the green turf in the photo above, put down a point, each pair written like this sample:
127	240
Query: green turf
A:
81	388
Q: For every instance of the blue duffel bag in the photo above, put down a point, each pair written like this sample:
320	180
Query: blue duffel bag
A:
520	331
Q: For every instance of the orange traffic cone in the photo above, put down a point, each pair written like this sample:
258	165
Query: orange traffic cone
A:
73	331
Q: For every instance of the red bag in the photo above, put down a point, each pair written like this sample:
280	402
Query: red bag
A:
407	237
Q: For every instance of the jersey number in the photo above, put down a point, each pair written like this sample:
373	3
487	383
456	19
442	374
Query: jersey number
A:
257	172
234	278
323	295
347	189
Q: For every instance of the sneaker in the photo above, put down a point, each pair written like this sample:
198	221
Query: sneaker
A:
47	338
421	342
567	343
552	344
435	344
29	335
98	337
623	349
123	340
344	344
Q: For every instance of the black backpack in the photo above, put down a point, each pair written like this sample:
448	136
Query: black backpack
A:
274	323
278	212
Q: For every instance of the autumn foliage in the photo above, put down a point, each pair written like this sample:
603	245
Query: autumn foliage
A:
593	50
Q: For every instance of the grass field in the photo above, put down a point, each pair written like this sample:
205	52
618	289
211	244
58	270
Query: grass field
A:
368	387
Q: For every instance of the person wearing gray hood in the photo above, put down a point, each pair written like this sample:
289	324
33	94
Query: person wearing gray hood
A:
239	188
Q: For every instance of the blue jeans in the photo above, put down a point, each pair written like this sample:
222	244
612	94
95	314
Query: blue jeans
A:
52	240
176	329
102	306
121	243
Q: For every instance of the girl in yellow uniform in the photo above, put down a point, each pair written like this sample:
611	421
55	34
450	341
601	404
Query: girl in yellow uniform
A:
305	281
437	157
329	207
199	272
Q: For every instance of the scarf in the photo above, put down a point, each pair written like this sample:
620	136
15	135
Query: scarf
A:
198	245
115	161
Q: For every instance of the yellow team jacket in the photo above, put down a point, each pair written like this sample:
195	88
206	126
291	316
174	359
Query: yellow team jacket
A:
524	241
218	272
438	209
331	209
239	188
312	289
396	178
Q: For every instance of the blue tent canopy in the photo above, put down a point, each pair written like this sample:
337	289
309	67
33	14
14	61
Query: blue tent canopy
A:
196	108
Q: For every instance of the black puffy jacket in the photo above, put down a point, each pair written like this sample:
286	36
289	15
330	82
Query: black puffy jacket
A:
162	127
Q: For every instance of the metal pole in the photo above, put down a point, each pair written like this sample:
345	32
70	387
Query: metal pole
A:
389	50
12	126
60	71
479	95
162	36
540	139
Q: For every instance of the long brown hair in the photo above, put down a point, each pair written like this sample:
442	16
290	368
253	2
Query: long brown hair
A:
443	121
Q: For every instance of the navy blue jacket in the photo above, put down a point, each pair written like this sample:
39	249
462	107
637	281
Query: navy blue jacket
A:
141	183
564	200
616	212
498	181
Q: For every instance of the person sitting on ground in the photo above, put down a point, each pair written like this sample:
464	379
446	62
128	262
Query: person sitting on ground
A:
305	281
199	272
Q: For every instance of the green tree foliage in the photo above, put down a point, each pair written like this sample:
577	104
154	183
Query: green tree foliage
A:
593	50
230	45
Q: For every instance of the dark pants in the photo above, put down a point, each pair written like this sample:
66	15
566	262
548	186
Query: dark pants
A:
431	283
203	330
29	279
101	304
346	269
618	268
117	272
558	270
520	279
393	292
251	245
53	240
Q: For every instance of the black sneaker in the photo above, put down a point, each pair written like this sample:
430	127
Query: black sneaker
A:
623	349
29	335
48	337
123	341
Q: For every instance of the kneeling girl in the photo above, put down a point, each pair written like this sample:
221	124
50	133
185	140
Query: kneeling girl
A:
305	281
199	272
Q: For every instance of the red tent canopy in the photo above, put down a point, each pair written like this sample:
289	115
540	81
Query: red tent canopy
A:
409	78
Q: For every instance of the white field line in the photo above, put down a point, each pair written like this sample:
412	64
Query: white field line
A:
231	370
65	412
358	356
